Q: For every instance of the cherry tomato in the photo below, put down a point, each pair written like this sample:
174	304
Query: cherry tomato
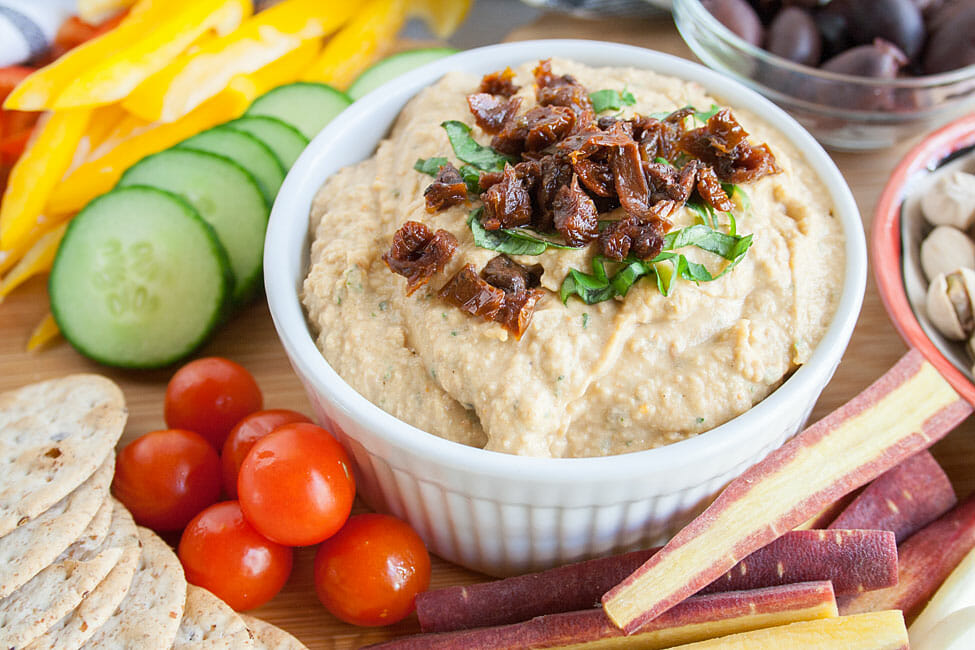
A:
370	572
296	485
166	477
221	552
210	396
243	436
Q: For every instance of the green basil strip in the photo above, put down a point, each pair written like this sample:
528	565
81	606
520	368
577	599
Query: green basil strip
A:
429	166
731	190
707	239
472	178
468	150
611	100
704	116
499	240
530	235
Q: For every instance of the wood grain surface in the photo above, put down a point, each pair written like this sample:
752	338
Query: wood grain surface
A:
250	339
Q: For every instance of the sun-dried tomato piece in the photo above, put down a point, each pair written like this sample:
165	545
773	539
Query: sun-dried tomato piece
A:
596	175
507	204
517	310
505	273
575	214
416	253
723	144
571	96
752	163
447	189
709	187
473	294
643	238
630	183
491	112
499	83
510	140
547	125
667	183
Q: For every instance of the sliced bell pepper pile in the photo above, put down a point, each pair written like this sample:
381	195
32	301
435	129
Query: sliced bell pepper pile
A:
198	75
46	330
37	260
286	69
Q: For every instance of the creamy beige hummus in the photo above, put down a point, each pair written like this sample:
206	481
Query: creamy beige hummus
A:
584	380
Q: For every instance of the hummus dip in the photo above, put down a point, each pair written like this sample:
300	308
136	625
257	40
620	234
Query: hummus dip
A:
584	380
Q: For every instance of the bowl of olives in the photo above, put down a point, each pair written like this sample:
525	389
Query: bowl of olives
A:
858	74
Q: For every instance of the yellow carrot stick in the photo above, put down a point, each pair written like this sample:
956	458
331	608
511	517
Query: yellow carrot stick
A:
359	43
43	332
37	260
37	172
98	175
111	79
198	75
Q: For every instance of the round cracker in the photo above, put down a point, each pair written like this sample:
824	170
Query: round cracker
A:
53	436
33	546
73	630
60	587
208	622
271	636
151	611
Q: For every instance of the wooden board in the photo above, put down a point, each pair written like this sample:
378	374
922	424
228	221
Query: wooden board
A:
250	340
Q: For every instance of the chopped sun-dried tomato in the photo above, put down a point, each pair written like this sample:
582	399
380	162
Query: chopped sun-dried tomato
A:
447	189
416	253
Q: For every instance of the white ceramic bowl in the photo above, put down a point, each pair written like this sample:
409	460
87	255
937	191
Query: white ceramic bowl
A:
498	513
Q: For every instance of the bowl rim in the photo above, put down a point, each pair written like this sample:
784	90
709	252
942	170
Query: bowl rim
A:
886	248
283	289
701	15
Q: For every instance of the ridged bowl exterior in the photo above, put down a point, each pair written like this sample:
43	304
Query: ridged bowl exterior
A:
503	514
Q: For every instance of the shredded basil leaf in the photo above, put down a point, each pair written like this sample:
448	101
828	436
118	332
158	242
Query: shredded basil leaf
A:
611	100
731	190
530	235
429	166
468	150
704	116
511	241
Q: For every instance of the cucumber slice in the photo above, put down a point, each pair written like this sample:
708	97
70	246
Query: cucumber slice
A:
245	150
307	106
392	67
140	280
284	140
224	194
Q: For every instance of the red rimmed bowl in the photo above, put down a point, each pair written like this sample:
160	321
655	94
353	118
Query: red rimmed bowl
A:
895	241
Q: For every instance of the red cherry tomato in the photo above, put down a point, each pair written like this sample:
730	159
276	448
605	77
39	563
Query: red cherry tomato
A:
166	477
221	552
370	572
210	396
243	436
296	485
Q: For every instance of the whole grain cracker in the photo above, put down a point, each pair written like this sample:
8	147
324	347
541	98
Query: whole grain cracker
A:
31	547
271	636
208	622
149	615
59	588
53	436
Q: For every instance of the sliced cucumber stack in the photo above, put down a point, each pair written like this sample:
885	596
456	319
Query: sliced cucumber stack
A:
224	194
284	140
394	66
304	105
139	280
245	150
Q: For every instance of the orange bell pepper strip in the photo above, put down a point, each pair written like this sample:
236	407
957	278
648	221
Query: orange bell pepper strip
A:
198	75
99	174
37	172
38	259
107	68
359	43
44	332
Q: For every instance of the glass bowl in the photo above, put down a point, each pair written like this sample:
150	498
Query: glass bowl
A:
843	112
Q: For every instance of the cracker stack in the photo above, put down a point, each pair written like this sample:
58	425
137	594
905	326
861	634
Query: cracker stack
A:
75	570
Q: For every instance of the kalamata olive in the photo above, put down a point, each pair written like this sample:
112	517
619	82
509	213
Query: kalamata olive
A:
946	13
881	60
793	35
766	8
927	6
739	17
832	29
953	45
897	21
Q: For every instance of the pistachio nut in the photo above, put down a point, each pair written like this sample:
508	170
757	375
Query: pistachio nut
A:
946	249
951	201
950	302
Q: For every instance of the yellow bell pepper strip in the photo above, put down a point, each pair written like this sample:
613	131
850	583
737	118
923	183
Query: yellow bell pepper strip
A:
285	70
182	24
442	16
44	332
95	11
37	172
38	91
38	259
359	43
98	175
198	75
